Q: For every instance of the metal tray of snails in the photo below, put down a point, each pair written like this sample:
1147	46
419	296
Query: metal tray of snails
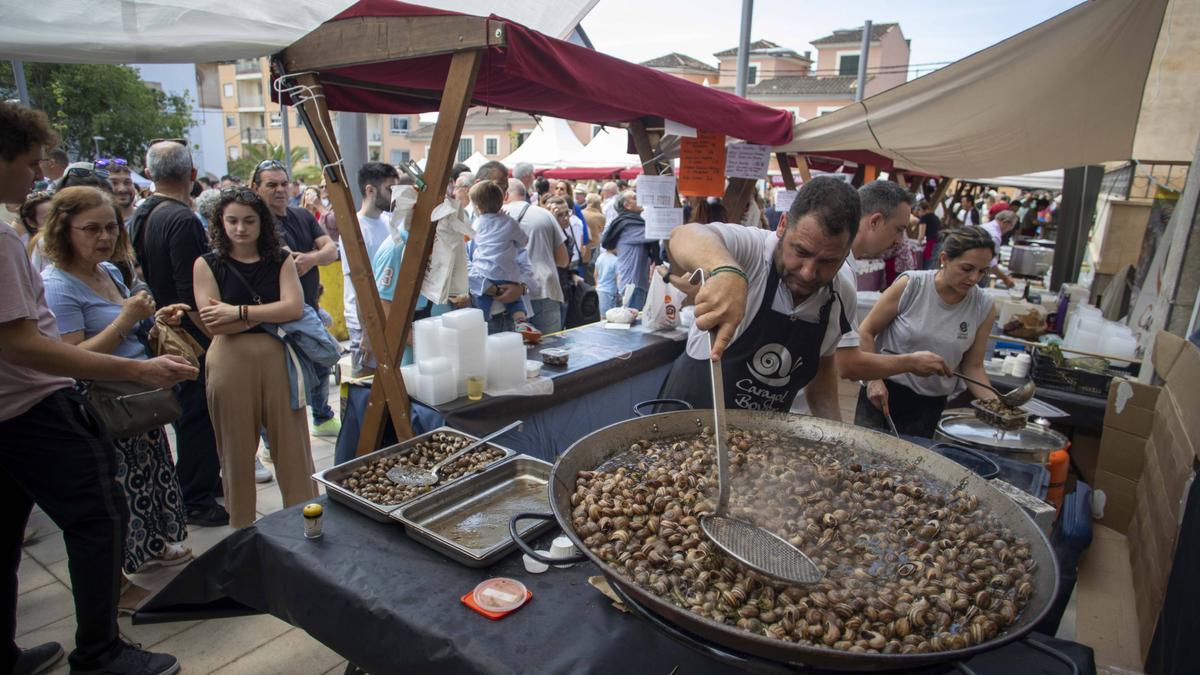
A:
362	485
468	521
994	413
923	560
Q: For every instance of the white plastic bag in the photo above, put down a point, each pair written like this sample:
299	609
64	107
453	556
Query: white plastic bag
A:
663	302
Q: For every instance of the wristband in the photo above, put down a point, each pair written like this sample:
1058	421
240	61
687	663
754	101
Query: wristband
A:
730	269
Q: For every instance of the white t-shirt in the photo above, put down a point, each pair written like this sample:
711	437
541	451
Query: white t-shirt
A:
753	249
374	231
848	277
544	237
993	228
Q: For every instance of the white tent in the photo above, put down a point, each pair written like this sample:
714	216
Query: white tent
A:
1106	80
551	142
608	148
475	161
1040	180
184	31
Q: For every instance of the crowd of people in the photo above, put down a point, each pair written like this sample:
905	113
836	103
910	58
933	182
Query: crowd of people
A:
92	266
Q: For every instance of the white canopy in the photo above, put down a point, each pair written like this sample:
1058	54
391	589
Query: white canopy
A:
548	145
185	31
1041	180
1096	83
475	161
606	149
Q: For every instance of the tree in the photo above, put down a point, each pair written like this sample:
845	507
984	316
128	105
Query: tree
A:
255	153
88	100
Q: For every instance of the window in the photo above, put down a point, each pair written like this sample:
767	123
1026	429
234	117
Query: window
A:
795	111
276	119
399	125
400	157
522	136
491	145
230	121
228	89
466	148
752	75
848	64
235	152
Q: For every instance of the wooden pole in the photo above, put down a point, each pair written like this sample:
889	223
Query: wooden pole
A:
783	159
645	148
315	114
940	194
802	167
456	100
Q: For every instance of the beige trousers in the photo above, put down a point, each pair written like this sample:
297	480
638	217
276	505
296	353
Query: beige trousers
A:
247	391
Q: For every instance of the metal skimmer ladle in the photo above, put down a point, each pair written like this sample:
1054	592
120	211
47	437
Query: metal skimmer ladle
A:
417	477
761	550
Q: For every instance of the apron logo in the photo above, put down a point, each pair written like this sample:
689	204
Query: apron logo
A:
772	365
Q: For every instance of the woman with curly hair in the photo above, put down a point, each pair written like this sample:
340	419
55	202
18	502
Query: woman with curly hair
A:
97	311
249	279
32	215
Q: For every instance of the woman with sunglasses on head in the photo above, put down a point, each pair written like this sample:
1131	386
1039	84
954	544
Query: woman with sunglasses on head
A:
246	280
31	216
95	310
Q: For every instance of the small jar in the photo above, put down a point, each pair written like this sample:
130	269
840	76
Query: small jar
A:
312	521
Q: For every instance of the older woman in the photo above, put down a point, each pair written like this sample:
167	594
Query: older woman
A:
96	311
942	311
248	279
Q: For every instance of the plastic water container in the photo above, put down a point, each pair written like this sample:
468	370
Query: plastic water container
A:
505	361
409	374
434	366
462	318
436	389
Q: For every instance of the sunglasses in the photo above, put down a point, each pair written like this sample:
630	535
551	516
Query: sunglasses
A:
84	172
241	194
111	161
268	165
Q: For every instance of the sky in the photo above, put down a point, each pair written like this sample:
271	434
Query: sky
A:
939	30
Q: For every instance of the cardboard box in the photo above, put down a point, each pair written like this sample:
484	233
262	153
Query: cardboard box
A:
1121	494
1085	454
1121	453
1131	406
1103	598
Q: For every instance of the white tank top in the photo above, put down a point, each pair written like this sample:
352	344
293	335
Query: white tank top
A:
925	322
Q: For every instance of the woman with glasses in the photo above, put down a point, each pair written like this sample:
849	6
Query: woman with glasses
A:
95	310
246	280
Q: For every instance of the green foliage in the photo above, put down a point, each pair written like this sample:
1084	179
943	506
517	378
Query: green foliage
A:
87	100
310	174
254	153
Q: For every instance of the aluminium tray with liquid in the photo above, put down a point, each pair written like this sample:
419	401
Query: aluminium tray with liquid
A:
468	520
332	477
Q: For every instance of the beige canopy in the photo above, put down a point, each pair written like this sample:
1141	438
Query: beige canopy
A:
1105	80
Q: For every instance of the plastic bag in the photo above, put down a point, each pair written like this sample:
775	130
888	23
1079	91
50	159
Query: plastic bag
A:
663	302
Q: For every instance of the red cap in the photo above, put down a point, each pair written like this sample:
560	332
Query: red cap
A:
997	208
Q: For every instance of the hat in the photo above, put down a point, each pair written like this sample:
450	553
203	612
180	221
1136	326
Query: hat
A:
997	208
580	190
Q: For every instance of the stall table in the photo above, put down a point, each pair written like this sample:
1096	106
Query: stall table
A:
390	605
607	373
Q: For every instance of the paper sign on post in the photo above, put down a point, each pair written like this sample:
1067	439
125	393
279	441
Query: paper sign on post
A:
660	222
784	199
745	160
656	191
701	164
676	129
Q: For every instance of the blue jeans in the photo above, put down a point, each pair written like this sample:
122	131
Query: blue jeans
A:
318	397
608	300
547	315
638	299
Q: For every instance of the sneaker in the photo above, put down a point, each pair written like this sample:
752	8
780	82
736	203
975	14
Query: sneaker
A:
213	516
261	473
328	428
135	661
38	659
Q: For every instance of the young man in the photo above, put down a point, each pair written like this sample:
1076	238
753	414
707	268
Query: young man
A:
53	450
310	247
375	181
121	180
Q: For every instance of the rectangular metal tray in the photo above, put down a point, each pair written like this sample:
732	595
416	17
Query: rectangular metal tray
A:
468	521
1009	421
332	477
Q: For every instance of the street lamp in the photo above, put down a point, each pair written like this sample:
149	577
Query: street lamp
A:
96	140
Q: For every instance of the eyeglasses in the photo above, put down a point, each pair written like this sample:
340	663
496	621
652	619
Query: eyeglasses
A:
179	141
111	161
84	172
241	194
94	230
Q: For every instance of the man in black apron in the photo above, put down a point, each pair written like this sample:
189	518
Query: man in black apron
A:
773	300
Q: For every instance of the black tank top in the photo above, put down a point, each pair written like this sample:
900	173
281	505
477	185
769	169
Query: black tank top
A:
261	276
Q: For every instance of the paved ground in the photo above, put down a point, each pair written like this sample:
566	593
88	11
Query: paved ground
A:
255	645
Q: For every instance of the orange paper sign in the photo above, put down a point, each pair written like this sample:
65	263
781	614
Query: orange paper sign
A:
702	165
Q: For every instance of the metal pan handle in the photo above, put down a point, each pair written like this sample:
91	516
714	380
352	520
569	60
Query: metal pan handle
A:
528	550
637	407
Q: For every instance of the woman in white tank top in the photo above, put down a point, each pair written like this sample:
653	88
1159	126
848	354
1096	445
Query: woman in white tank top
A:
942	311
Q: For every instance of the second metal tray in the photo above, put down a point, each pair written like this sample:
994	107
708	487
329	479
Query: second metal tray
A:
332	477
468	520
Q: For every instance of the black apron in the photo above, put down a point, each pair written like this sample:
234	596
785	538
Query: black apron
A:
765	366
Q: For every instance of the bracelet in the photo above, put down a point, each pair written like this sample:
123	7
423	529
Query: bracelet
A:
244	313
123	333
732	270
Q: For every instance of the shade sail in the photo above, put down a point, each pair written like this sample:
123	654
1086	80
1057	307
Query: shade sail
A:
1067	92
547	145
185	31
1041	180
538	74
608	148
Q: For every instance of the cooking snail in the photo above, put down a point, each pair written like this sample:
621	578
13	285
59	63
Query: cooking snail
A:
371	481
910	565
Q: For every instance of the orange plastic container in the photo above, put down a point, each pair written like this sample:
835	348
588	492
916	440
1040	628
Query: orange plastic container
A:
1058	465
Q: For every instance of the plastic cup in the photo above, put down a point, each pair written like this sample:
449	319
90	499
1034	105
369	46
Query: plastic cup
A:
475	385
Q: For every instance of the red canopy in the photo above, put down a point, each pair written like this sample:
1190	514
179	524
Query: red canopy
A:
542	75
582	173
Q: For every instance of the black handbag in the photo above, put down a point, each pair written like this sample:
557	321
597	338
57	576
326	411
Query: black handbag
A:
130	409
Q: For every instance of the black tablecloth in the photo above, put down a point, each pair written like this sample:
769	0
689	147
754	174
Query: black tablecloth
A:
390	605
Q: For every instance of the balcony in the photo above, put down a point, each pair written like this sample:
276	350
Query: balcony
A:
254	135
250	104
374	138
247	69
